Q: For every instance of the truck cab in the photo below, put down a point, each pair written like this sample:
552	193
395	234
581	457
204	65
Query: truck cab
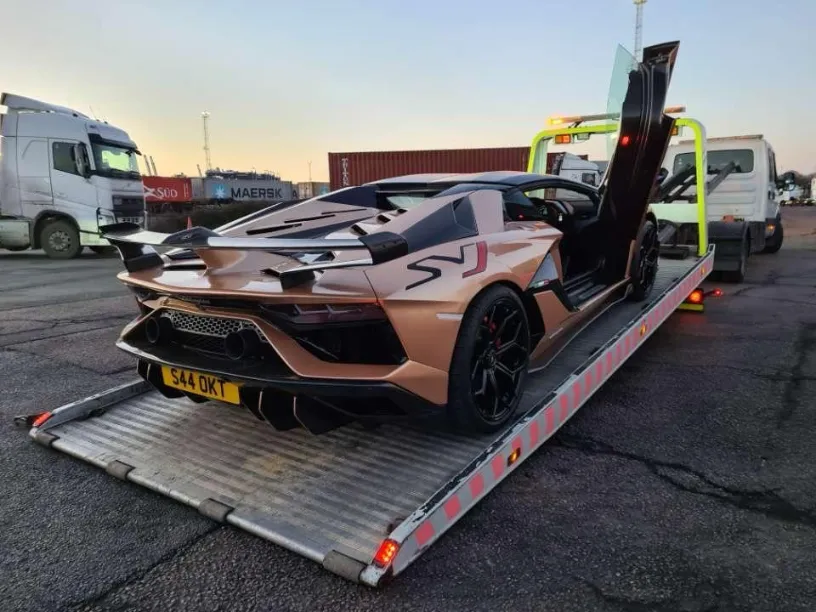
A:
62	176
743	209
575	168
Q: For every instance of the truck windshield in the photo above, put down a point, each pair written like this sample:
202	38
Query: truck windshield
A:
717	160
114	161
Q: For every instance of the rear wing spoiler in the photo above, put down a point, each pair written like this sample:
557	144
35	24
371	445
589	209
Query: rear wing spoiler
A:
135	247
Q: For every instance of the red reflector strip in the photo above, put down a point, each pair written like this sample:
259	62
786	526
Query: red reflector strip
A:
476	485
452	507
498	466
425	533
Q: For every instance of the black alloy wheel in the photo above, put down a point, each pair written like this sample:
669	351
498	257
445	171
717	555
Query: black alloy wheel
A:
490	361
645	263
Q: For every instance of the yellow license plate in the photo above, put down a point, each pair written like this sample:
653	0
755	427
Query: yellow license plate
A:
201	384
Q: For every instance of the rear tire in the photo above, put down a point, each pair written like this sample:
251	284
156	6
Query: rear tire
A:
490	361
60	240
774	242
643	269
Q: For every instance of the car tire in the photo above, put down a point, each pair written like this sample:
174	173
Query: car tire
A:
60	240
774	242
490	360
645	262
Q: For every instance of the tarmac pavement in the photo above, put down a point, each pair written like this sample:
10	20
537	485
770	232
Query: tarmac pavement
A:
685	484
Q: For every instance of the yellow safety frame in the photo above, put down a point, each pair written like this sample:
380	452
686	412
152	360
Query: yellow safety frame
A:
700	162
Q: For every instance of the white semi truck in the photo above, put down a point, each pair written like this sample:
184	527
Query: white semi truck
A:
62	176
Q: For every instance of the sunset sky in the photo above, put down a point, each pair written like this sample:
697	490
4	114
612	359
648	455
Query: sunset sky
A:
286	82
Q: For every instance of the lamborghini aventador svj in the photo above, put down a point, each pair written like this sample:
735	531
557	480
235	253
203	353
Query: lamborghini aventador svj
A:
414	296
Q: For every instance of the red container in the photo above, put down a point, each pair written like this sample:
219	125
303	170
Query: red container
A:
348	169
167	189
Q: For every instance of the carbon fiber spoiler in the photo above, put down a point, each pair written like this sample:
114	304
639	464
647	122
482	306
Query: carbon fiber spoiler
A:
135	247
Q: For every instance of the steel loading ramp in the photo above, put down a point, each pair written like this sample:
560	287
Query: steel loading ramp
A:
363	503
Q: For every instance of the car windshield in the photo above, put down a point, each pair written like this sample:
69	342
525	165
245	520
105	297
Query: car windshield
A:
407	201
115	161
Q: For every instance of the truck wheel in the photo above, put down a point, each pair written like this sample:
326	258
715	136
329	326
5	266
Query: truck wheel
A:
774	243
643	269
490	360
60	240
738	275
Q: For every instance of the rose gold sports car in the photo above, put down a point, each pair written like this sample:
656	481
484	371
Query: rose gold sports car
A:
411	296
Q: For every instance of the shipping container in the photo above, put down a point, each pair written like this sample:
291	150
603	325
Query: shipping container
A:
306	190
247	190
197	183
349	169
167	189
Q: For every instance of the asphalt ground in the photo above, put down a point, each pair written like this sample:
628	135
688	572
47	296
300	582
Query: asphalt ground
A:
686	484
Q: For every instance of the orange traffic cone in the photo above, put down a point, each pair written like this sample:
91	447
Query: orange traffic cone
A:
189	223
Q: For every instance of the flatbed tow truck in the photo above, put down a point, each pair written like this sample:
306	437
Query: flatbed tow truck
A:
363	503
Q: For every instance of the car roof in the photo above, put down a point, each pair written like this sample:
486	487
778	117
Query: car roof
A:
499	178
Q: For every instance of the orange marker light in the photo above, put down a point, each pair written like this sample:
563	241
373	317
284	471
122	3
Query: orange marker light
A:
386	553
41	419
696	296
643	329
563	138
513	457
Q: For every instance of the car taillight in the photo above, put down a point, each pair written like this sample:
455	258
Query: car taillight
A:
310	314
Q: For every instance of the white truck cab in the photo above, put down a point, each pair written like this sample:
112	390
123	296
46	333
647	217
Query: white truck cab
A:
743	211
576	168
62	176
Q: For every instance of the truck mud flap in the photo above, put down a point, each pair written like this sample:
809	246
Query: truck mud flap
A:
729	239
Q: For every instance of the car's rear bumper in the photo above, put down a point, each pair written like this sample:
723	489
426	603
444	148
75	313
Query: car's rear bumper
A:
355	398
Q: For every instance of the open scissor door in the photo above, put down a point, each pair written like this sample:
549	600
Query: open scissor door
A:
638	92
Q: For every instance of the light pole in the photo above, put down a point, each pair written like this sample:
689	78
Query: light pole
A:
638	28
204	117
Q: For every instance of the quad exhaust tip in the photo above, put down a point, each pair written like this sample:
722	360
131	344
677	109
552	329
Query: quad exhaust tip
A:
241	344
158	330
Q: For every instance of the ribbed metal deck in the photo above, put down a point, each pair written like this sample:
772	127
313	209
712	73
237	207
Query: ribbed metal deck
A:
341	491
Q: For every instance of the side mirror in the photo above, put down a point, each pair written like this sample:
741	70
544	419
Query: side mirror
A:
80	160
662	175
